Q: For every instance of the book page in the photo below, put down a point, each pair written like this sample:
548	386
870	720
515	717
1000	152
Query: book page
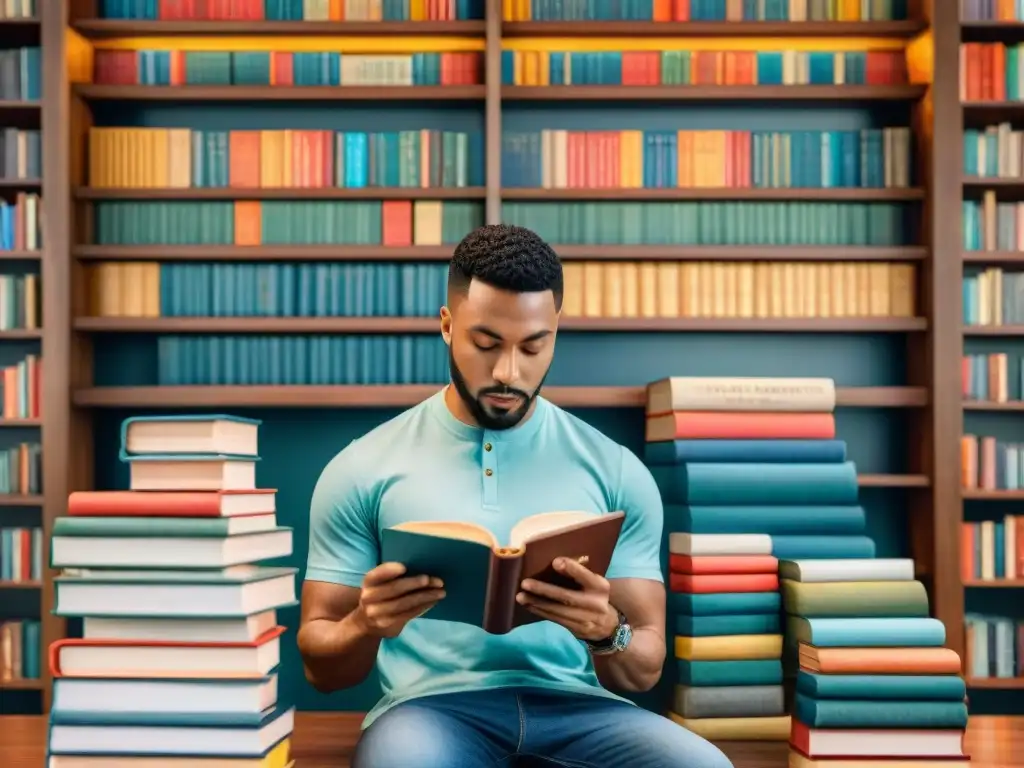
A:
450	530
544	523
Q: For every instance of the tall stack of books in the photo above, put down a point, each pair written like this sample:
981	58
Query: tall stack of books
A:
874	683
180	644
750	471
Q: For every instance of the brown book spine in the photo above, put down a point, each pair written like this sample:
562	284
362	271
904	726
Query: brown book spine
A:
502	586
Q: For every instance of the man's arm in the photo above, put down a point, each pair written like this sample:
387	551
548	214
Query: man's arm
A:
636	583
336	653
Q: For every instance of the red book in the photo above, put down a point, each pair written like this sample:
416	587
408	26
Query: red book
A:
720	425
723	564
737	582
172	504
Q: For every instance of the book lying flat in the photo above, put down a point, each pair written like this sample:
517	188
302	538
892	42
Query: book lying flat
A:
205	433
199	629
256	501
192	472
481	577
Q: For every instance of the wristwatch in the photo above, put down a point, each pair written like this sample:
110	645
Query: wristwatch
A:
617	642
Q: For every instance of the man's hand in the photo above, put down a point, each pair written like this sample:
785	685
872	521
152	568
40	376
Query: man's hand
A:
585	612
389	600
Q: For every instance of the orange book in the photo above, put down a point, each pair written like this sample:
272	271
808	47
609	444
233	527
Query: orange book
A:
172	504
731	582
723	564
711	425
879	661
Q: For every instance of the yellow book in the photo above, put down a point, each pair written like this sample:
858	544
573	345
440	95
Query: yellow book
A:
736	728
729	647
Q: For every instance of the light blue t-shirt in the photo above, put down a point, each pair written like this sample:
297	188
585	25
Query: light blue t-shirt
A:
427	465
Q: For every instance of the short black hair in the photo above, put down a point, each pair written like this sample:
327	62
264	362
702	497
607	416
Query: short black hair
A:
507	257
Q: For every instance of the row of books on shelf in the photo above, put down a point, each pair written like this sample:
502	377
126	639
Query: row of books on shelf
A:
214	638
21	554
21	223
526	68
132	158
432	222
19	9
20	74
653	159
995	151
990	225
286	222
989	72
988	463
20	389
992	297
293	10
992	550
285	68
599	289
21	469
21	154
20	302
512	10
994	647
184	158
20	650
986	377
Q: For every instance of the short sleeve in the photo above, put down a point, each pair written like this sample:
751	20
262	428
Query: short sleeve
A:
638	552
343	543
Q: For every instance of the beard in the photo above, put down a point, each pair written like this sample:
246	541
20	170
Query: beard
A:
487	416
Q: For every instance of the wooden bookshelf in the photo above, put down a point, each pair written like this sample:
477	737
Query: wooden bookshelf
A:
395	395
926	403
430	324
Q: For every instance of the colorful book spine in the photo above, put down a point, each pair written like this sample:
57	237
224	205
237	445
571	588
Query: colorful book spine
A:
992	550
990	464
706	10
292	10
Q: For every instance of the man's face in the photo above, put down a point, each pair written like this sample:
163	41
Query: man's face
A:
501	349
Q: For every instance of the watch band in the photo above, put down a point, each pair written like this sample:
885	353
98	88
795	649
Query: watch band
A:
617	642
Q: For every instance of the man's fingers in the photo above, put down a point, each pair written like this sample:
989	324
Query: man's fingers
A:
551	609
406	603
551	592
399	587
383	573
579	573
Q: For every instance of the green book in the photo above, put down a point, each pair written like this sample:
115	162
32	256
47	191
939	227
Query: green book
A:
481	577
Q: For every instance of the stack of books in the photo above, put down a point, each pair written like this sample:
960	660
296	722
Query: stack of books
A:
874	681
747	468
177	663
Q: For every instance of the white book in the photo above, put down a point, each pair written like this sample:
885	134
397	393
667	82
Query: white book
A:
719	544
191	473
239	629
107	696
739	393
209	434
880	569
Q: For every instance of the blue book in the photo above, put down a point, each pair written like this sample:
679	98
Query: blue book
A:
867	633
724	603
209	434
882	687
811	521
745	451
766	484
823	547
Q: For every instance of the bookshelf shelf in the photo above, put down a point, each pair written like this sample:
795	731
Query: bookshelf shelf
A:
981	494
893	481
993	330
20	500
990	405
992	257
99	29
294	193
19	255
379	396
1010	186
712	92
389	325
717	193
995	584
895	29
20	584
280	93
444	253
21	685
17	423
19	184
1006	683
21	333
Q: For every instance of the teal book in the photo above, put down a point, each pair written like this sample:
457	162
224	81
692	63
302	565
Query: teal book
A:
214	433
724	603
717	626
188	737
866	632
722	673
882	687
161	594
902	714
167	542
823	547
744	451
806	521
766	484
481	576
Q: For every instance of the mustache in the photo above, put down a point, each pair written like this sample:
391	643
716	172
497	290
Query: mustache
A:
501	391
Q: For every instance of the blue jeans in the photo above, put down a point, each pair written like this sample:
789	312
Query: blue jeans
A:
515	727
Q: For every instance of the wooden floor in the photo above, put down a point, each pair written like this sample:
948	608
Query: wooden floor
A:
326	741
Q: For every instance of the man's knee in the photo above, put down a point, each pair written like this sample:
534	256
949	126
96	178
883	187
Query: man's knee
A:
406	737
665	744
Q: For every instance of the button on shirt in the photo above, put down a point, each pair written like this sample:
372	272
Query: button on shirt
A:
427	465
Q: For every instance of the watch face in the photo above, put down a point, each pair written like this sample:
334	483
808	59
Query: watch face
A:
622	637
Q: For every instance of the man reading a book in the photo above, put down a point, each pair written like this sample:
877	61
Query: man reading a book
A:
487	452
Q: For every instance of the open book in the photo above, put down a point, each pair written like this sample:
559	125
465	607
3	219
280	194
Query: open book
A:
481	577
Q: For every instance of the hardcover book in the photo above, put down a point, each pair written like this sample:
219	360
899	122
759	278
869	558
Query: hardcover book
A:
481	577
